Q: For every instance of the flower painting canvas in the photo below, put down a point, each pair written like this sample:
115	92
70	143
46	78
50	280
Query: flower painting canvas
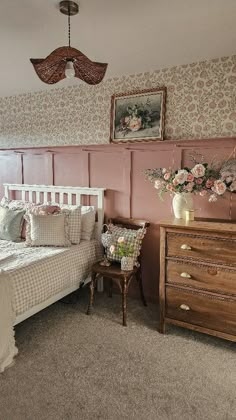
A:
138	116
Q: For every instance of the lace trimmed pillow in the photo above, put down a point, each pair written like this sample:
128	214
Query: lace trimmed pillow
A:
132	237
47	230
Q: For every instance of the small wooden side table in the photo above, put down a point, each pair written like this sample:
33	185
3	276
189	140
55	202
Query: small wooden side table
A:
122	279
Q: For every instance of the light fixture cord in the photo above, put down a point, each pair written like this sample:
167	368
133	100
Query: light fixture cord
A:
69	24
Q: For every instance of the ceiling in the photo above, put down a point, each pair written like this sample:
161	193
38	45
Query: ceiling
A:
131	35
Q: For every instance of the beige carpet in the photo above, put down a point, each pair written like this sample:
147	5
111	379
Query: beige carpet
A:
73	366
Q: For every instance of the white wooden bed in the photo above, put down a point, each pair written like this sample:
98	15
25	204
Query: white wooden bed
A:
60	195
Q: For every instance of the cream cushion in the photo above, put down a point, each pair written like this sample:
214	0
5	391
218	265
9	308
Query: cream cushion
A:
47	230
88	222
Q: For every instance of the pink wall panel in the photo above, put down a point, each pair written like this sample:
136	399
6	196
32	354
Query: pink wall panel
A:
10	169
71	168
109	170
35	169
119	169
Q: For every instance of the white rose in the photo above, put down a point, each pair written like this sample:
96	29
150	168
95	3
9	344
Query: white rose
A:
233	186
121	239
219	187
112	249
198	170
212	198
158	184
181	176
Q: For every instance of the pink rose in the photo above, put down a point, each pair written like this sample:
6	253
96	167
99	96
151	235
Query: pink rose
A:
190	177
189	187
135	124
175	182
209	183
167	176
219	187
198	170
199	181
170	187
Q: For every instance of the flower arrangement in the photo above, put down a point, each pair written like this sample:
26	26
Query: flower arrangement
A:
201	179
228	174
122	248
136	117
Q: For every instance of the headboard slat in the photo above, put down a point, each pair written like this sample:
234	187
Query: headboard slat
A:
59	192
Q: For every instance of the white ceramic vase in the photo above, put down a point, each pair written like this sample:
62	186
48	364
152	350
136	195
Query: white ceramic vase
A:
182	202
127	263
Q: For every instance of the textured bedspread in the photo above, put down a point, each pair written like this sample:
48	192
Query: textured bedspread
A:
38	273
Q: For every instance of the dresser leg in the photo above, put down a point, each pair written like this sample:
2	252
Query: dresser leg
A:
162	327
92	287
124	303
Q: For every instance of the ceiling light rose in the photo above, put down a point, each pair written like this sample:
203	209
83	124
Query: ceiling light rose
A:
67	62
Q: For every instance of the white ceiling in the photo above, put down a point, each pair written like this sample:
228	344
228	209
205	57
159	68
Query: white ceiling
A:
131	35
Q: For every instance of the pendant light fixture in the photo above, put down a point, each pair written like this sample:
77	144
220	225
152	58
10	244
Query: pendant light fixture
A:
68	62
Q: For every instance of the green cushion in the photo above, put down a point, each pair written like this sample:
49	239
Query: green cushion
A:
11	224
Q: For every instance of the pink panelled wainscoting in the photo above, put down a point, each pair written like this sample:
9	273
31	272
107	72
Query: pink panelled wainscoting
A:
119	168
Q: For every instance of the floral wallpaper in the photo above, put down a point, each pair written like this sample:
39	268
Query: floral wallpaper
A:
201	103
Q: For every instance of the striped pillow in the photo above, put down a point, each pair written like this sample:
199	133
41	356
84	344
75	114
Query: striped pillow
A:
132	237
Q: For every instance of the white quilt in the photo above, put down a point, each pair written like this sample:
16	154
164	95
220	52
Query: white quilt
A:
36	274
7	340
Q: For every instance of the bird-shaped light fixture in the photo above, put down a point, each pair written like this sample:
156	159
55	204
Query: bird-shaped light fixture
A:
68	62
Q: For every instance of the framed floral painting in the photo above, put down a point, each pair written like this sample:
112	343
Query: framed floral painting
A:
138	116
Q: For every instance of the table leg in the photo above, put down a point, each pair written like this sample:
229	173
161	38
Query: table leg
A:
110	288
92	286
140	282
124	299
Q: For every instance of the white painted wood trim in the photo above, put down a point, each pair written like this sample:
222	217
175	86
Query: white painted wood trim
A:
61	191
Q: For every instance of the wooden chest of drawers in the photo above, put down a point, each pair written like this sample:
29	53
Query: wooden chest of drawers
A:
198	276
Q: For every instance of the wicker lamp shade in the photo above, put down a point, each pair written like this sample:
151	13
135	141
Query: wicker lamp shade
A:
67	61
52	68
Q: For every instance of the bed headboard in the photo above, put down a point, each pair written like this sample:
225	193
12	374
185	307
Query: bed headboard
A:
57	194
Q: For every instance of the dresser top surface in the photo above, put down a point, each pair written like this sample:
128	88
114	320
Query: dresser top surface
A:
211	225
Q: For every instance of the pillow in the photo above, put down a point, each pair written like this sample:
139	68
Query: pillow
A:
28	206
47	230
11	224
88	222
74	222
132	237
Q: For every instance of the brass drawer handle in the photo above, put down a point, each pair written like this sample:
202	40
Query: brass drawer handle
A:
186	275
184	307
185	246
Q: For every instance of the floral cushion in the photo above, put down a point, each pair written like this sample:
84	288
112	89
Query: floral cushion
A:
132	237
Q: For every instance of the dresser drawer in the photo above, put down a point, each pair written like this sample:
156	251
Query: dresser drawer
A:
205	248
212	278
205	310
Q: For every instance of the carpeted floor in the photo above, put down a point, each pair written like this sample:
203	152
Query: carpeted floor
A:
77	367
